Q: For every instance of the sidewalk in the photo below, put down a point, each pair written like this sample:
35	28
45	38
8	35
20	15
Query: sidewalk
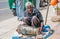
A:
8	27
54	25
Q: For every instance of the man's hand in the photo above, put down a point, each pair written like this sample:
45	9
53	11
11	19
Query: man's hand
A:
41	27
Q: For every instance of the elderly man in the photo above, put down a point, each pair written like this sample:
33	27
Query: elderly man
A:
32	16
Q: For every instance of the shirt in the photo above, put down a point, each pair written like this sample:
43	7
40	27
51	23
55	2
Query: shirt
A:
34	13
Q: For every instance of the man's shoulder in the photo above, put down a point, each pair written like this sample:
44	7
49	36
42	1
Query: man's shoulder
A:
35	10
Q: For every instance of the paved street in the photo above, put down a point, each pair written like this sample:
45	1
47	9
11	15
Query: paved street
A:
8	27
7	21
5	12
54	25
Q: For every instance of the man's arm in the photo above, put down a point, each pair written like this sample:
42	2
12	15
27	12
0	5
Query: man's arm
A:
39	15
41	19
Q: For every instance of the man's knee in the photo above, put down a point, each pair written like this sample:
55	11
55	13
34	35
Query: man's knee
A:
34	17
27	20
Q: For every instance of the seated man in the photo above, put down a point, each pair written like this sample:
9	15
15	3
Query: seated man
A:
32	16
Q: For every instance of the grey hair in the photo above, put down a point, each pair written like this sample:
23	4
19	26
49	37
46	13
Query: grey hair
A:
29	3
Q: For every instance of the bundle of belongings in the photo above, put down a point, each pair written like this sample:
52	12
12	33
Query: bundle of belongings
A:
28	32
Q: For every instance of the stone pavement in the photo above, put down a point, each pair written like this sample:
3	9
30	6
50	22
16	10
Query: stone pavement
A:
54	25
8	27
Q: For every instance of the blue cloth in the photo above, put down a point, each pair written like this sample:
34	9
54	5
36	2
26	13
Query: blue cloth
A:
49	34
46	28
16	37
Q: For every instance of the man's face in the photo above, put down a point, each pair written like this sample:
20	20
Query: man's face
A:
29	8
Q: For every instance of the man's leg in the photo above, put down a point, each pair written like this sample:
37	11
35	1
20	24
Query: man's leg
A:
35	21
27	21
